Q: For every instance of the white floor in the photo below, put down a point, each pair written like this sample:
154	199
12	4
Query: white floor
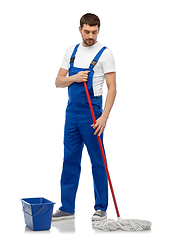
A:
149	203
81	227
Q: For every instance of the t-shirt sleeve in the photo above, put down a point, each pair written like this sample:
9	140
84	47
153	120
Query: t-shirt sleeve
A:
108	62
66	60
65	64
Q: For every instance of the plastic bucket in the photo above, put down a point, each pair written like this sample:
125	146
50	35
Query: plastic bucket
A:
37	213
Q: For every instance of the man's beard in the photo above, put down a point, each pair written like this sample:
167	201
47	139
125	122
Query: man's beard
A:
89	42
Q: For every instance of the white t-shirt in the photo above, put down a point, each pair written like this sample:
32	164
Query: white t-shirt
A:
84	57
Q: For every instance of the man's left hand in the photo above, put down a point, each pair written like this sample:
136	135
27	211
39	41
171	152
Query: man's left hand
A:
99	125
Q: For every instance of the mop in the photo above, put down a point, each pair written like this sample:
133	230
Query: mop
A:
110	224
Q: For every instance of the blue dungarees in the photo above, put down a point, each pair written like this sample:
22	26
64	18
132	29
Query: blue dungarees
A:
77	132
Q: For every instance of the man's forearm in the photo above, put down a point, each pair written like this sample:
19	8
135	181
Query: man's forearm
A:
64	81
109	101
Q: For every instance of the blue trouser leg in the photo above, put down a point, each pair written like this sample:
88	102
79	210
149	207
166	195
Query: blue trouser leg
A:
98	168
99	175
78	131
73	146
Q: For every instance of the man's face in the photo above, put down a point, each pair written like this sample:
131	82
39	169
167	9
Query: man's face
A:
89	34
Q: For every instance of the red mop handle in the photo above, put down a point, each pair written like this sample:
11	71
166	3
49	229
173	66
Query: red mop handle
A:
102	151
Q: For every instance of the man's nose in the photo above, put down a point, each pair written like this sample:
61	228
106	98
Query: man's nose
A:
90	35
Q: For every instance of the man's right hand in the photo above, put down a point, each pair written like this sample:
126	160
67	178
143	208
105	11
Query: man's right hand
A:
81	76
63	81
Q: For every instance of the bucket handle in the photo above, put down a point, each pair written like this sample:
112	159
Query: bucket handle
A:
35	213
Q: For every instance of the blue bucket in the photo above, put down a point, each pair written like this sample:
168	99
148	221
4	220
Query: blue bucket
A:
37	213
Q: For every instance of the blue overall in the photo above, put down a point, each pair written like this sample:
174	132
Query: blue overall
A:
77	132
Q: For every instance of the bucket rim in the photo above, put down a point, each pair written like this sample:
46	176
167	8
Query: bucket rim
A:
39	203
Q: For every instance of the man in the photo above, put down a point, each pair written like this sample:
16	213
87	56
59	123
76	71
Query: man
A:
92	63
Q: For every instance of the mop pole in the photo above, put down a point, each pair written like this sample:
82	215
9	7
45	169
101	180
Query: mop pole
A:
102	151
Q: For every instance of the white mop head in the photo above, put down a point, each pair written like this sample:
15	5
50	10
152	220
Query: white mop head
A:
122	224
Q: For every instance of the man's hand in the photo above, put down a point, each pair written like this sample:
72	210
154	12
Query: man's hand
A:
63	81
100	125
81	76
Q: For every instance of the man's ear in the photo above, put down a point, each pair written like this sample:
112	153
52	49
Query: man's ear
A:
80	30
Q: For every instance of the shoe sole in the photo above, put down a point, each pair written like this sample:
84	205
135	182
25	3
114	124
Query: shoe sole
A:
97	218
62	218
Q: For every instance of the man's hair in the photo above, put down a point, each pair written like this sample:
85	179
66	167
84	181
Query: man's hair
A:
90	19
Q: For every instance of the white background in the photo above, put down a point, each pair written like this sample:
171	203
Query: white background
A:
141	133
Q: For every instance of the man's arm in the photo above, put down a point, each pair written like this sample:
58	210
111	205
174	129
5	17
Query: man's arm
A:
63	81
111	94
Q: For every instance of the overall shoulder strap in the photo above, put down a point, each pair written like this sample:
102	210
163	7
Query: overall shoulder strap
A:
73	55
96	58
